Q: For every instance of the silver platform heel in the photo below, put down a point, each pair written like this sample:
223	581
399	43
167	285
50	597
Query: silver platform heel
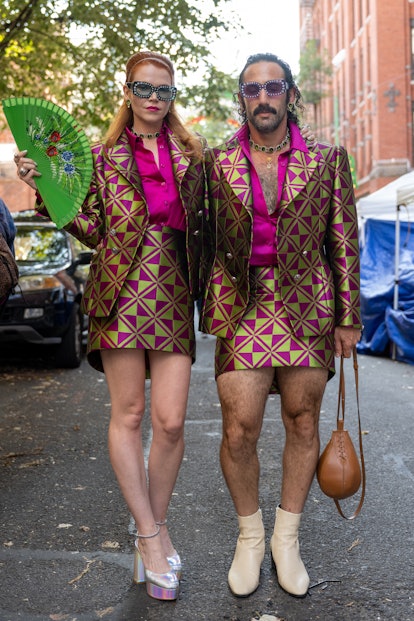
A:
160	586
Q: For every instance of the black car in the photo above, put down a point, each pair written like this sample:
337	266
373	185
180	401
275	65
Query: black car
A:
45	307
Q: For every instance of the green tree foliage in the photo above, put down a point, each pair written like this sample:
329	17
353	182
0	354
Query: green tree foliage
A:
74	51
314	68
213	105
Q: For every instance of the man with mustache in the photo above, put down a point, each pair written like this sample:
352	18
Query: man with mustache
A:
282	298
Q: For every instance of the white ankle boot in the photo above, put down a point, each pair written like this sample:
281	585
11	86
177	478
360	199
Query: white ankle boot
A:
291	572
244	572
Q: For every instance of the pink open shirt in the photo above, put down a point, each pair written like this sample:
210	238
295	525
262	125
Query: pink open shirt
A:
264	247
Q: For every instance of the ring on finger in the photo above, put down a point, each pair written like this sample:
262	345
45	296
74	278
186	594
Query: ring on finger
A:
16	157
23	171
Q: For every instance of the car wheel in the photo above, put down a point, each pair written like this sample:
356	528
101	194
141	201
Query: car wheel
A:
69	352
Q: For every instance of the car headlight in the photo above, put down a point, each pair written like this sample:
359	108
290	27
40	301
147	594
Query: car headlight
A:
34	283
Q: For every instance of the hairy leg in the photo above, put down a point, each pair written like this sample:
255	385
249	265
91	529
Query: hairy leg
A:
301	392
243	396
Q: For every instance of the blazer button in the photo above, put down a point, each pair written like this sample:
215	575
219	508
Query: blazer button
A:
296	277
115	250
229	255
200	213
196	233
112	232
234	278
305	252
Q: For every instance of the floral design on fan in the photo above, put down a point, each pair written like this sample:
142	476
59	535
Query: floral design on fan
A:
60	147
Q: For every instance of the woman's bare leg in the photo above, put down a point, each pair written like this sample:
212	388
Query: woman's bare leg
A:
170	383
125	375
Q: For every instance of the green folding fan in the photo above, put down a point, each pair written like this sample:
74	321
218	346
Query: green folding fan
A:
59	146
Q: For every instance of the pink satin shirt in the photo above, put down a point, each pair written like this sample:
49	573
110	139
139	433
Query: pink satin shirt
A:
264	247
160	191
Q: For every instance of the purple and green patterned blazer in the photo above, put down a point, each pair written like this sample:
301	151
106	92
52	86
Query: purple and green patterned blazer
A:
114	217
317	240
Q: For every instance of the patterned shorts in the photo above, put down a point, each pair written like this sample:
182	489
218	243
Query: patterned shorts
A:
264	337
154	310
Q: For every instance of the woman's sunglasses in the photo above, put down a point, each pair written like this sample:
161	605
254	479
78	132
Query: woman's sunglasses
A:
145	90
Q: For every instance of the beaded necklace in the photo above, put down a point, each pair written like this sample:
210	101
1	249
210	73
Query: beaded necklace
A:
149	136
264	149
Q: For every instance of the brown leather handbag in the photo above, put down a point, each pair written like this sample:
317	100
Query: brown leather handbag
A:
339	471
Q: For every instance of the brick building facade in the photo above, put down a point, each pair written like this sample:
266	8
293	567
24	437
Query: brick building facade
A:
368	102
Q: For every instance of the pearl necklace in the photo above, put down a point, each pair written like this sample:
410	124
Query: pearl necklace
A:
149	136
264	149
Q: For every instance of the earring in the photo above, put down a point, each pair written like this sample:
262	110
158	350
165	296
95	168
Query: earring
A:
128	103
291	107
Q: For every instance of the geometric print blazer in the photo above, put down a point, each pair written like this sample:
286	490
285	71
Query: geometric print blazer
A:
114	217
317	240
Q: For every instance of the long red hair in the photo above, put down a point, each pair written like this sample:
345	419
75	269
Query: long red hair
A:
124	116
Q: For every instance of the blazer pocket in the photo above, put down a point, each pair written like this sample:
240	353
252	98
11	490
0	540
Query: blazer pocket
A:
107	274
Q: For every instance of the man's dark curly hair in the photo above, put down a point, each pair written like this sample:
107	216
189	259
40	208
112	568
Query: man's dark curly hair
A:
298	107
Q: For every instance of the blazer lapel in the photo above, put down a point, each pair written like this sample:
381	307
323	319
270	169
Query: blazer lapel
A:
235	169
180	162
122	159
300	170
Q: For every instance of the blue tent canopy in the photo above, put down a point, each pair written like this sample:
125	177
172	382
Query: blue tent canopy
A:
388	319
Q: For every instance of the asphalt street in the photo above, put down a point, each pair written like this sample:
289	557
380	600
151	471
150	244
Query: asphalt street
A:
66	553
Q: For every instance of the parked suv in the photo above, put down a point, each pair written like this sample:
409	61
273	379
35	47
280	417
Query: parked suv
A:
44	309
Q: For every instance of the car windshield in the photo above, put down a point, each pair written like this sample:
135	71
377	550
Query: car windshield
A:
41	246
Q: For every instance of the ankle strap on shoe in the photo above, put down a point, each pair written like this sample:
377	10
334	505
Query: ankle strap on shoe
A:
139	536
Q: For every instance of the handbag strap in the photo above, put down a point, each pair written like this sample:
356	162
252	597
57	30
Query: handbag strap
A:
340	422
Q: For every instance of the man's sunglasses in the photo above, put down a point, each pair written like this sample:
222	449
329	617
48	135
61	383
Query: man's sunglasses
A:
273	88
145	90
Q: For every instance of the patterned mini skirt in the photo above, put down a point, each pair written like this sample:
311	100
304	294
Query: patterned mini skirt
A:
264	337
154	310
